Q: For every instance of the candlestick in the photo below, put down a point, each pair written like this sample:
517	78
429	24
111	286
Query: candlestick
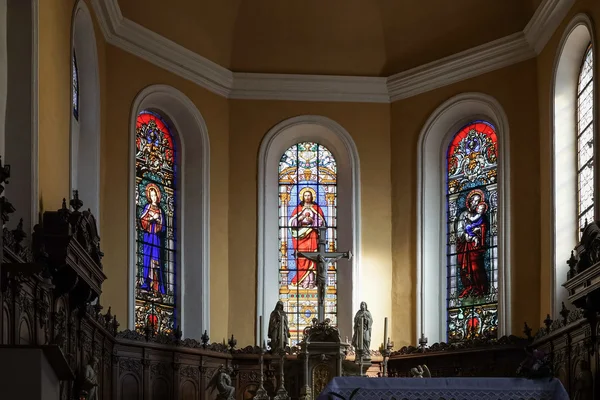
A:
385	333
261	338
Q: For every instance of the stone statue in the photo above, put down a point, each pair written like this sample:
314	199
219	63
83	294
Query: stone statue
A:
90	379
277	318
365	315
421	371
221	381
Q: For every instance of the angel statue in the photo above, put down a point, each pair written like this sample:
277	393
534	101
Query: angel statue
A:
221	381
421	371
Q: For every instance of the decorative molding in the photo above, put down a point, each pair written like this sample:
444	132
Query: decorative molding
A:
309	88
175	58
545	21
458	67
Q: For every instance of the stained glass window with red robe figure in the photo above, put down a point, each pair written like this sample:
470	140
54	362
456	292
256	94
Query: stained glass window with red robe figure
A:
307	201
585	140
75	86
156	258
472	241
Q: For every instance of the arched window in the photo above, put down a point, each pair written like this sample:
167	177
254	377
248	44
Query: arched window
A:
169	249
312	159
307	201
85	116
573	134
75	86
585	140
155	177
463	182
472	240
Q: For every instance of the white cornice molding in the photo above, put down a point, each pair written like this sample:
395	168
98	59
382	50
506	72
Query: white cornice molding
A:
160	51
458	67
309	88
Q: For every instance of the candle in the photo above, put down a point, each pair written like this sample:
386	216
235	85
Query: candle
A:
361	333
262	338
385	333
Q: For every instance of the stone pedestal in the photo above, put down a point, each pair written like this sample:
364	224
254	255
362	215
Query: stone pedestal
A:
322	356
32	372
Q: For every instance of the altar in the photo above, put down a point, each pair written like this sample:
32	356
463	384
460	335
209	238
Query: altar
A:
444	388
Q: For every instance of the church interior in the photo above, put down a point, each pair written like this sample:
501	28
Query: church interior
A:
234	199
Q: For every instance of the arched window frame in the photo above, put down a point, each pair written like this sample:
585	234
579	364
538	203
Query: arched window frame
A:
572	48
434	139
322	130
85	124
193	205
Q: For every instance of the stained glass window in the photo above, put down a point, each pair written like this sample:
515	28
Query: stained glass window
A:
472	243
307	201
75	86
156	261
585	140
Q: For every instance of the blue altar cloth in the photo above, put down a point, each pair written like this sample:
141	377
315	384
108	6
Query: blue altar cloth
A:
445	389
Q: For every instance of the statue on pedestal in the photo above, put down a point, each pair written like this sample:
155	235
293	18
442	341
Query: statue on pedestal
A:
278	328
361	340
90	379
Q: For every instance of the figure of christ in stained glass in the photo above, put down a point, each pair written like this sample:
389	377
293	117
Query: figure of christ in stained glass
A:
155	191
307	201
472	233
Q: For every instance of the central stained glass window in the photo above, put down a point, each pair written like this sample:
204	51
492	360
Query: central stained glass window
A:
307	201
155	294
472	243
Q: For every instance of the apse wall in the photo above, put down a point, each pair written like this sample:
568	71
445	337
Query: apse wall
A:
545	75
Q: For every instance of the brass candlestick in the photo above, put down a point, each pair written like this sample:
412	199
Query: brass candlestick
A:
261	393
282	394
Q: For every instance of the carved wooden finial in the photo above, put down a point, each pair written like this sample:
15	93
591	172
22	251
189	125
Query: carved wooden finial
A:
75	202
564	313
527	331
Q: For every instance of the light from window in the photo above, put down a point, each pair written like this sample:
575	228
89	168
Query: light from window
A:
585	140
75	86
307	200
155	294
472	241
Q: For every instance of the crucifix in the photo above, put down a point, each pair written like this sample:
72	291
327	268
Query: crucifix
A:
322	257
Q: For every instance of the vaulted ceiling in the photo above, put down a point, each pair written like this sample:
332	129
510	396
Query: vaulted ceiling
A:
329	37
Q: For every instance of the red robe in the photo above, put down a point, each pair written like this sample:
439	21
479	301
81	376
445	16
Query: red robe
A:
471	265
306	241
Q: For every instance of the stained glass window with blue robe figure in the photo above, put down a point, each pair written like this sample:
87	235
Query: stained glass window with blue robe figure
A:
156	258
472	227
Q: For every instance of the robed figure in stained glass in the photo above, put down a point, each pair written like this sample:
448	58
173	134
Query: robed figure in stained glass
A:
306	218
152	223
471	229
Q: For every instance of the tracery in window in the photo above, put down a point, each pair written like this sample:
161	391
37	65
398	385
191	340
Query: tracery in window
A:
155	293
585	140
472	253
75	86
307	201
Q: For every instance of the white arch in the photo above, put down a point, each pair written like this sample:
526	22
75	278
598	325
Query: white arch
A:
563	119
85	133
431	222
333	136
193	217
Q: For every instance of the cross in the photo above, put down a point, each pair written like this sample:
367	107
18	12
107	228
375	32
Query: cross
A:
322	258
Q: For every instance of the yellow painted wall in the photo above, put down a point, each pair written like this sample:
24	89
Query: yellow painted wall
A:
368	124
545	65
515	89
54	101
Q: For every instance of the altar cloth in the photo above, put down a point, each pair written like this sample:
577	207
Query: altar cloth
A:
444	389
